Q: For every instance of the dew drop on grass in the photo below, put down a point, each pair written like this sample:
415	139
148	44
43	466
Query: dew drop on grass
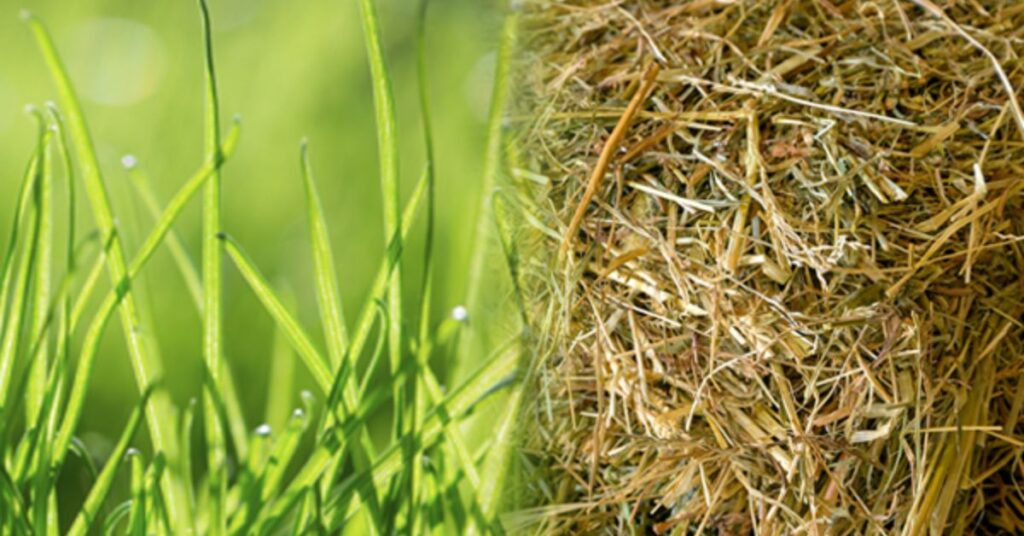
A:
460	313
129	161
263	430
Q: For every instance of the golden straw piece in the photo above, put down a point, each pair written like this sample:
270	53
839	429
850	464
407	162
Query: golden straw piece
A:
606	155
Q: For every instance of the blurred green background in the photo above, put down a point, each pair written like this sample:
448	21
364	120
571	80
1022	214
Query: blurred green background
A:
290	69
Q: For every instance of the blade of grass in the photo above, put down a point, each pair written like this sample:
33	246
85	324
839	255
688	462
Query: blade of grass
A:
151	492
137	519
302	343
89	285
281	382
90	344
144	189
326	276
213	329
21	208
55	384
118	514
160	412
329	302
387	147
261	489
331	445
41	285
21	312
98	494
14	512
187	426
482	383
482	239
183	261
418	407
14	314
498	459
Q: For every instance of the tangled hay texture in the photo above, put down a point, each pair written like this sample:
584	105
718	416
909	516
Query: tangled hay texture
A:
790	265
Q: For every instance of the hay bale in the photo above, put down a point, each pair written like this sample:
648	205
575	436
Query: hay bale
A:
787	245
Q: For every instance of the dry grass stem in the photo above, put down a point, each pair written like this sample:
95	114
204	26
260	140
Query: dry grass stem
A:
797	308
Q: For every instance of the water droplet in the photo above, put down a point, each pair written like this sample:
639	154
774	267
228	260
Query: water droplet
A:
129	161
460	313
263	430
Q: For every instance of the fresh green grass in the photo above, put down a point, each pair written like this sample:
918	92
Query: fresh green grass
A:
320	469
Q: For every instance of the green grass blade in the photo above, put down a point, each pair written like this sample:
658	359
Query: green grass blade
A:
42	273
98	494
14	512
302	343
179	253
497	463
326	277
387	146
482	241
379	287
213	329
298	338
22	205
58	373
117	514
183	261
90	344
137	519
14	314
161	412
88	286
282	380
151	496
188	417
21	312
488	379
415	470
331	446
266	482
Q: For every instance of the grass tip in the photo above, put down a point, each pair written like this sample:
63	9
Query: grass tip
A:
129	161
263	430
131	452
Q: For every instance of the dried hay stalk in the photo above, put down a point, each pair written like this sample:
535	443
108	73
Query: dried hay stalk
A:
787	294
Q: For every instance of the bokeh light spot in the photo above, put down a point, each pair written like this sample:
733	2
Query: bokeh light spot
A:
116	62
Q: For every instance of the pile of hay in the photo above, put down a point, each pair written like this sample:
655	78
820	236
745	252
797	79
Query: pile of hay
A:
789	266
